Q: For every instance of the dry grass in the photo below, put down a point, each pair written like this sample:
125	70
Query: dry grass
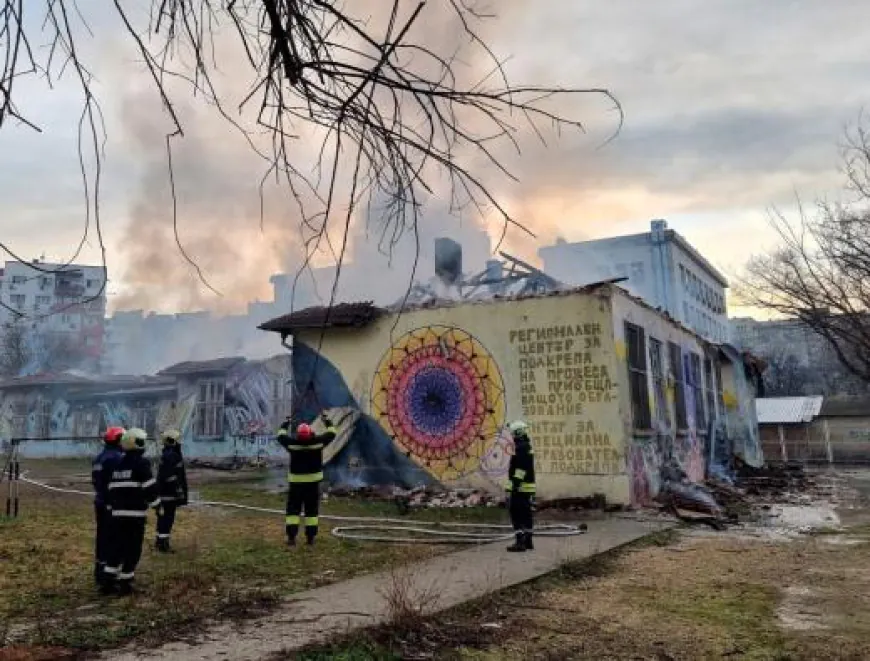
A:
228	563
710	597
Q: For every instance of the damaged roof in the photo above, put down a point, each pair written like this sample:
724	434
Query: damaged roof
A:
117	386
37	380
200	366
341	315
787	410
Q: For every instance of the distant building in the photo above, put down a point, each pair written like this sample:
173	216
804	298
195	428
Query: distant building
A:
800	361
662	268
66	301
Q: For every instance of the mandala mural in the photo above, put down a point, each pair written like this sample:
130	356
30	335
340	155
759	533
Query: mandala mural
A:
440	396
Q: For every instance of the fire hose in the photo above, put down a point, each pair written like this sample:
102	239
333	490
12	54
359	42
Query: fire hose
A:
381	529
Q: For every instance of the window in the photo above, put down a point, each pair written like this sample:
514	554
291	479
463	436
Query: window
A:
144	416
658	378
17	300
709	392
637	380
679	384
42	420
87	423
697	386
43	300
18	279
280	400
44	282
93	284
210	409
683	275
720	392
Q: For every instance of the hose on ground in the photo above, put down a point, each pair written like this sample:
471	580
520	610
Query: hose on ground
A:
372	528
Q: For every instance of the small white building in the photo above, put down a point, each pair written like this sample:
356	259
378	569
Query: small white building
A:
661	267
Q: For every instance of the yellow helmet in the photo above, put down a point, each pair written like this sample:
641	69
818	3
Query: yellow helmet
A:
171	436
134	439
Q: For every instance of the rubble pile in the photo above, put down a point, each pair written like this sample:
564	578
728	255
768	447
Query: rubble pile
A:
232	463
420	497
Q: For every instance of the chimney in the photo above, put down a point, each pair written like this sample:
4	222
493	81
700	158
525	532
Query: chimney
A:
448	260
657	230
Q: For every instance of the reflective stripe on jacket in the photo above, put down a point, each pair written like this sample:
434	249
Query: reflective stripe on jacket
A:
306	455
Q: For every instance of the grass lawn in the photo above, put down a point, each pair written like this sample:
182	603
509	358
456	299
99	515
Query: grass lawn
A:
672	596
229	563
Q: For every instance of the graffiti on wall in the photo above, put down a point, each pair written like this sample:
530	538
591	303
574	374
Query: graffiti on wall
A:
439	395
565	384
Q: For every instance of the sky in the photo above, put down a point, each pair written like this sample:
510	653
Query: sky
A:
731	107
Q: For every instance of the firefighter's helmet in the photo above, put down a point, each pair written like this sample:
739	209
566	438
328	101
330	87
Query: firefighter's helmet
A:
134	439
518	428
171	437
304	431
113	435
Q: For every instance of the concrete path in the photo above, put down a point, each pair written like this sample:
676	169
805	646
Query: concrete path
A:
445	581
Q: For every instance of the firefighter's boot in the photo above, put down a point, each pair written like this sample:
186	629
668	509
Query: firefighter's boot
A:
519	545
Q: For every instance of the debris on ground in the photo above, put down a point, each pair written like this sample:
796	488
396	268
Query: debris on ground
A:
231	463
420	497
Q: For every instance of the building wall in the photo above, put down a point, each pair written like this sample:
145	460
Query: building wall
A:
651	446
550	361
255	400
659	270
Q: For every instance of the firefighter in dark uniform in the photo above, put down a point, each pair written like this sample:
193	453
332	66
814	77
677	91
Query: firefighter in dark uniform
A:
305	475
101	469
132	490
521	487
171	486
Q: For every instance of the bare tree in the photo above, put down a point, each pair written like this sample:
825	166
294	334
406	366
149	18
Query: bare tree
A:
14	350
820	272
784	376
393	116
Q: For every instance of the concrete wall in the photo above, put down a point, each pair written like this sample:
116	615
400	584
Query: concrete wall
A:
648	450
437	388
250	414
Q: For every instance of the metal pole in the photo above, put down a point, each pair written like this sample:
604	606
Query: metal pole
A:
17	483
828	448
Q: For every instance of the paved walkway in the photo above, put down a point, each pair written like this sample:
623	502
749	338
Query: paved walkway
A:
449	580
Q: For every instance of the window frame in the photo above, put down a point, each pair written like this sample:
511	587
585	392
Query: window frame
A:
675	364
659	380
638	371
210	405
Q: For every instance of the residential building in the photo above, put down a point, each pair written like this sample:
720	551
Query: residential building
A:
800	361
612	389
661	267
66	302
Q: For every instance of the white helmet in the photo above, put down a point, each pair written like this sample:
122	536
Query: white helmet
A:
134	439
518	428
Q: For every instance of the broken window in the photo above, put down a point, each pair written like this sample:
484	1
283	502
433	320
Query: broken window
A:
210	409
697	386
637	376
658	377
675	356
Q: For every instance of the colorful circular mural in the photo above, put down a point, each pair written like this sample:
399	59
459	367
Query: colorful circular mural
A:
440	396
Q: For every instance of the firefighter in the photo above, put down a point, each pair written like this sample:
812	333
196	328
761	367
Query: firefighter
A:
521	487
101	469
172	487
305	475
132	490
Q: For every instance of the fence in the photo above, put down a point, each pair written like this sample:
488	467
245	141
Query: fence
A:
840	441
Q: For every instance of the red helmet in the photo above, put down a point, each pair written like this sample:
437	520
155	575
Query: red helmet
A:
113	435
304	431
